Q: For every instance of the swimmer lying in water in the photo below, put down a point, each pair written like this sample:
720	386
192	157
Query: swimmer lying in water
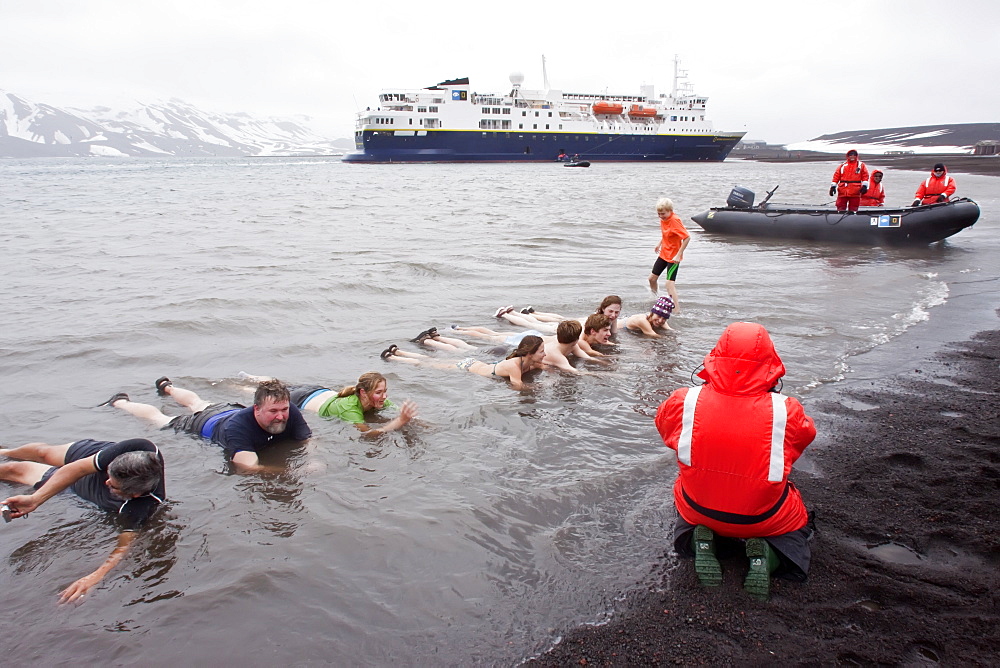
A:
351	403
438	342
431	339
596	331
656	318
529	356
610	306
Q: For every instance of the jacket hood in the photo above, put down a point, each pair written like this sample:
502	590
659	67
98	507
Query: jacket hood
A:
877	171
743	361
941	165
847	156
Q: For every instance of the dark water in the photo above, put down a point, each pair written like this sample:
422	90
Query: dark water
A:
473	537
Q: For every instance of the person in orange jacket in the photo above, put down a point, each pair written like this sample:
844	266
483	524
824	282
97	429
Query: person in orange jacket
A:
736	438
850	182
674	238
876	194
938	187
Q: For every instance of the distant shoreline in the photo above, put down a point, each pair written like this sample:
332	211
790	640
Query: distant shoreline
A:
986	165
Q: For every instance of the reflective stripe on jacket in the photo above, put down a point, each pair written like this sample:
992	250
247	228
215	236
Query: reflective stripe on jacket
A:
849	177
929	190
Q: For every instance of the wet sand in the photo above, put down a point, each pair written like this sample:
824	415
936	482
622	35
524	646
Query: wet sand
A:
904	479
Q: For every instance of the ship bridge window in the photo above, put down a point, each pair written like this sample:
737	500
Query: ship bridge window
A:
421	110
486	110
491	124
433	110
506	110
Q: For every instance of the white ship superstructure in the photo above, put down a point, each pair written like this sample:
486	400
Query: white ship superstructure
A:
452	122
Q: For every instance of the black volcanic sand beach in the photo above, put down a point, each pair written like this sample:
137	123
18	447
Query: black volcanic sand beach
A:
905	480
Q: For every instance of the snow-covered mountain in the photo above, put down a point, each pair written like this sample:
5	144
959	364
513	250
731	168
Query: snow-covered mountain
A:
29	129
951	138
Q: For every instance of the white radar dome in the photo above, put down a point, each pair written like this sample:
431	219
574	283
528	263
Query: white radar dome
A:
516	79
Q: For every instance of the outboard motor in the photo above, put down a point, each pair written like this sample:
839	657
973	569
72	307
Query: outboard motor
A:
740	198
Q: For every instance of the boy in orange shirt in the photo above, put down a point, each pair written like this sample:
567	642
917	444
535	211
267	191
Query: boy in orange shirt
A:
670	249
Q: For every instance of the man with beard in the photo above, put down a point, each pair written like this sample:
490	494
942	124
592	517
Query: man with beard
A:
242	432
125	478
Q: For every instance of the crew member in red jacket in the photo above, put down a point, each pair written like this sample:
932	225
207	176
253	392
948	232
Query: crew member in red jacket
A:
938	187
850	182
876	194
736	438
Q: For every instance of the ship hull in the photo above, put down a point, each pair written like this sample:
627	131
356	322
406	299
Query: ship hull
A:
376	146
869	226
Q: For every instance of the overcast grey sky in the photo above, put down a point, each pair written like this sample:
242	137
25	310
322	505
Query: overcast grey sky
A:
783	71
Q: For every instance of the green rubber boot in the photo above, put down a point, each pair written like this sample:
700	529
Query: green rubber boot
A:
705	564
763	562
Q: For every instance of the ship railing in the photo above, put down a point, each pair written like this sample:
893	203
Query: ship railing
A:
490	100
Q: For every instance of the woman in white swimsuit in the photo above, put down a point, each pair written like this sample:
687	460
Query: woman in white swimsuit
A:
528	356
611	306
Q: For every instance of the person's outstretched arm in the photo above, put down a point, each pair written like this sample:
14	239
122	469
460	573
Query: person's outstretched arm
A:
642	324
407	412
246	462
63	477
560	362
76	591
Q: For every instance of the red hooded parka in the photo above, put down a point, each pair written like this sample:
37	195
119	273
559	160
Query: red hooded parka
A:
849	177
736	440
876	194
929	189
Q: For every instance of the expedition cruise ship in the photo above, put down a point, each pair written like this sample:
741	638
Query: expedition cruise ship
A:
451	123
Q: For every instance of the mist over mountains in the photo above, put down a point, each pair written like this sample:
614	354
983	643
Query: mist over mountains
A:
173	128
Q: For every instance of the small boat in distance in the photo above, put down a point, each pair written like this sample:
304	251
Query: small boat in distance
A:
873	226
451	122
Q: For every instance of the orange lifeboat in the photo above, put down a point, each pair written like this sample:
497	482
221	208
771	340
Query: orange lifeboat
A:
639	111
608	108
